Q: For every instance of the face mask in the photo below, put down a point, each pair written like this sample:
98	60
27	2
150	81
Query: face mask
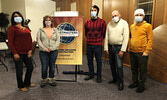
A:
115	19
93	14
138	19
18	19
48	23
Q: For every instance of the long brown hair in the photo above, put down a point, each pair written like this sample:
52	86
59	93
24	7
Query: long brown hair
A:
44	19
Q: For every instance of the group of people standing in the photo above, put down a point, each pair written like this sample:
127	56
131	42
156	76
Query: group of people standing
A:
20	44
117	41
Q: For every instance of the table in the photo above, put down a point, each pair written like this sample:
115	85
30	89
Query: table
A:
3	47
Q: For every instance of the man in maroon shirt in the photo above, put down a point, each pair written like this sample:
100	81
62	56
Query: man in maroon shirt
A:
95	29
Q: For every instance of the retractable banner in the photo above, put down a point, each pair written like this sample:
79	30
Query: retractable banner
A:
71	38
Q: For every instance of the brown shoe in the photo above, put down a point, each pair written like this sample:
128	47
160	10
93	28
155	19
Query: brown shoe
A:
23	89
32	85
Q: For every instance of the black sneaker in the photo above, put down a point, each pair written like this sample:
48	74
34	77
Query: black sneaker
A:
98	80
133	85
88	78
112	81
140	89
120	86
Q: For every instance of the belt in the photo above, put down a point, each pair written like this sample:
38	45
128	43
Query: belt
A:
115	45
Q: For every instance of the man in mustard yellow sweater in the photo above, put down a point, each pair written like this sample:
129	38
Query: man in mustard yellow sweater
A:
140	43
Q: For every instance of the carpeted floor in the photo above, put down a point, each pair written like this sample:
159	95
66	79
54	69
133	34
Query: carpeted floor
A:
80	90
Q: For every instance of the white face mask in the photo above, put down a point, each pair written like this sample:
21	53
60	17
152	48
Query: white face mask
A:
48	23
115	19
93	14
138	19
18	19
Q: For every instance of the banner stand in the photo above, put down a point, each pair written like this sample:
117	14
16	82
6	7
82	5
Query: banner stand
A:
78	72
75	75
70	49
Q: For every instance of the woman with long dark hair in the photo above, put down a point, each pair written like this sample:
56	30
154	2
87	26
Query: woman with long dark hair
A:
20	44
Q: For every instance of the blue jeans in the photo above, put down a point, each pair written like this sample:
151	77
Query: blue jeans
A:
48	59
19	70
90	51
116	62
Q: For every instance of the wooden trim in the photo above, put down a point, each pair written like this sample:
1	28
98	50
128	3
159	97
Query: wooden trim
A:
131	10
72	1
153	13
165	13
102	8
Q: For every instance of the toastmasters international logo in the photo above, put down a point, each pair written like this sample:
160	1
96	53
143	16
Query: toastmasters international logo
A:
67	32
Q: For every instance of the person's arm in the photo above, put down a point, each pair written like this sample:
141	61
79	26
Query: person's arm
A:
149	39
56	45
125	37
104	29
11	34
130	35
86	29
38	38
106	40
30	51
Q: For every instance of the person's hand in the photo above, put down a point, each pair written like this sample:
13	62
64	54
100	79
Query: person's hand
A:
16	57
106	51
128	50
29	53
145	54
47	50
121	53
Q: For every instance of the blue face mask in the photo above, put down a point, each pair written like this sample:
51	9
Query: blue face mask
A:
138	19
18	19
93	14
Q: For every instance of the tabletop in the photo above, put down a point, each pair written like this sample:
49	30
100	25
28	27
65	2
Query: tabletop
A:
3	46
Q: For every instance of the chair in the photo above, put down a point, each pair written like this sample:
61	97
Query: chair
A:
3	47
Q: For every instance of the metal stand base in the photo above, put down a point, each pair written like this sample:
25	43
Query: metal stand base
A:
75	75
2	63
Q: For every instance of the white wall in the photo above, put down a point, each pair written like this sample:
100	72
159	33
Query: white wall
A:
35	11
73	6
99	3
9	6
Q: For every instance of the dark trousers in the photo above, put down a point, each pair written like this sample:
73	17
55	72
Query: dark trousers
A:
116	62
97	51
138	67
19	70
48	60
